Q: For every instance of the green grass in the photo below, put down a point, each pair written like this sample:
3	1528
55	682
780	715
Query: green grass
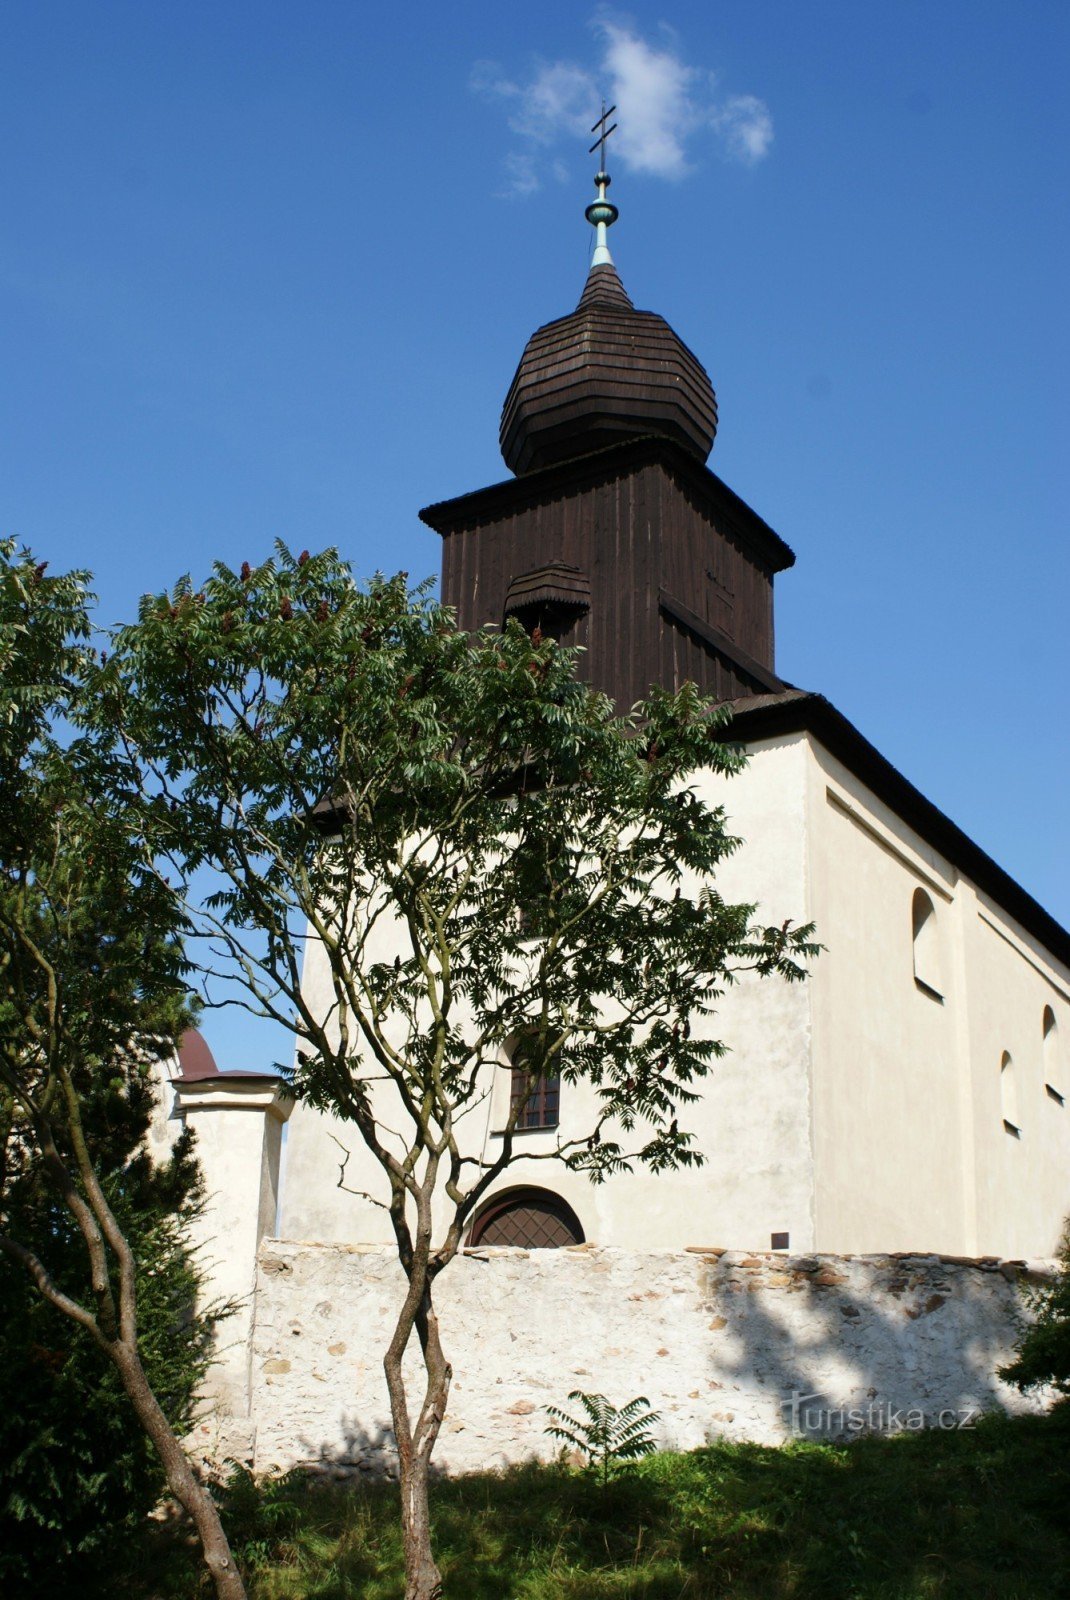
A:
984	1514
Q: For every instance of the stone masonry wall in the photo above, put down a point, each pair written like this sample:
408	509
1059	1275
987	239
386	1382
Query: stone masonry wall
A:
718	1341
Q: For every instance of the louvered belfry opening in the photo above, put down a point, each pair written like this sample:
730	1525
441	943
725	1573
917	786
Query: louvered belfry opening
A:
530	1219
551	598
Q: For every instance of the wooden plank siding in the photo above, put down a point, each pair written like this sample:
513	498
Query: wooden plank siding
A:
639	521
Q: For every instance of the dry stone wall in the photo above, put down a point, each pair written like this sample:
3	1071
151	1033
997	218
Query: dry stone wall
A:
755	1347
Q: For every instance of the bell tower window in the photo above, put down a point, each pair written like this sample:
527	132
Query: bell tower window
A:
551	598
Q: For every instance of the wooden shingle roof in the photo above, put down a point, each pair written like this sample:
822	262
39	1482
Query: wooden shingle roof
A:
603	374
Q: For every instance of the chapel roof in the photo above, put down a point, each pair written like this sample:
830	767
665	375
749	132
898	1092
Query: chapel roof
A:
197	1064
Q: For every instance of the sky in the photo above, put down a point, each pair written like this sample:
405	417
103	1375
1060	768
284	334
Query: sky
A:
266	271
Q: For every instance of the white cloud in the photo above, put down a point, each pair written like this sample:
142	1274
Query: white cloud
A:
664	106
652	90
558	100
521	178
746	126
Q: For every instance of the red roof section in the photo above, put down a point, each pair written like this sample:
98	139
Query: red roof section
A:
197	1063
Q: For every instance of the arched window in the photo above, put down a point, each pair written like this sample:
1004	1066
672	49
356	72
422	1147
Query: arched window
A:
1008	1089
926	936
1053	1077
537	1094
534	1219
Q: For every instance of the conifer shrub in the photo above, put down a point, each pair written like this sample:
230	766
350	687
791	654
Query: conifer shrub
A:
79	1475
1043	1353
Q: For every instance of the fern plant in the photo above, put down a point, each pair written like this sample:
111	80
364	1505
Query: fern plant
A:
605	1437
259	1514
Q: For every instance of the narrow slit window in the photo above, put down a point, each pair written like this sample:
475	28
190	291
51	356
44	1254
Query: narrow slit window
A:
1053	1073
926	935
1008	1089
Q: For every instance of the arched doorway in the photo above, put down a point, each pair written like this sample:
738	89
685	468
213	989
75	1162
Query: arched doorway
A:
534	1219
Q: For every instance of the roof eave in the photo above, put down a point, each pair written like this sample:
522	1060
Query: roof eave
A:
794	711
446	516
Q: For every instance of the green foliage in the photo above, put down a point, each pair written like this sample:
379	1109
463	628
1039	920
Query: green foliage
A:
80	1475
479	848
92	995
1043	1353
977	1515
259	1514
605	1437
345	757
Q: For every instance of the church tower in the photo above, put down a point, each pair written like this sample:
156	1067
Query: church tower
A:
614	534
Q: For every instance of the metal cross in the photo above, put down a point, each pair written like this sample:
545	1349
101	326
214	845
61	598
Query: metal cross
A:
603	134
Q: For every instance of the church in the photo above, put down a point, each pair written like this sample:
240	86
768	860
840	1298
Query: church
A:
911	1095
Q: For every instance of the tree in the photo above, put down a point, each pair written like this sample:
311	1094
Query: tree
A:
80	1475
478	849
1043	1353
93	992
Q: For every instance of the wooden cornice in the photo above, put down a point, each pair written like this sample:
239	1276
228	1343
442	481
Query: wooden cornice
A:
514	494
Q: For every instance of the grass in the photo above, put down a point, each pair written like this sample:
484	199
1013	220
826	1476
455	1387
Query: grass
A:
983	1513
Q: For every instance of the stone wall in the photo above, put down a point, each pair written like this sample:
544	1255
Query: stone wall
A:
719	1342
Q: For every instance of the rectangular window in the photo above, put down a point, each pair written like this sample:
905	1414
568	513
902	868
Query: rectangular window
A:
539	1105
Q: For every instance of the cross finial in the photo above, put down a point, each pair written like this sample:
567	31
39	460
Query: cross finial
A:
601	213
603	134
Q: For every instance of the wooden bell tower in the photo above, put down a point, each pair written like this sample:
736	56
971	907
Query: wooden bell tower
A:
614	534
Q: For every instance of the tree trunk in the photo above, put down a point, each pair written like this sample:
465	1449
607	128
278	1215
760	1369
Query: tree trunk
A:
181	1480
423	1580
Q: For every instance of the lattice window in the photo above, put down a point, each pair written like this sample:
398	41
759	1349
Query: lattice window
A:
533	1219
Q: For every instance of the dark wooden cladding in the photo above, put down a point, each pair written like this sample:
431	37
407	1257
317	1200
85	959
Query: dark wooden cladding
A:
732	664
644	524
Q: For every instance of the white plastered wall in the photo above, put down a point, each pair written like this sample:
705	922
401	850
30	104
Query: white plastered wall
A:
752	1123
910	1147
1022	1182
238	1126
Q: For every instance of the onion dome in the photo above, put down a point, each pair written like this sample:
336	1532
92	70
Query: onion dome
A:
604	374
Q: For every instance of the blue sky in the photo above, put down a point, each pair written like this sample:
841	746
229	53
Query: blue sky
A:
267	270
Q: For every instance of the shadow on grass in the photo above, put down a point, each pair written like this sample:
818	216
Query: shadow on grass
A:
981	1513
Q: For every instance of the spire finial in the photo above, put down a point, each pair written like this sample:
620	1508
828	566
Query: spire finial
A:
602	213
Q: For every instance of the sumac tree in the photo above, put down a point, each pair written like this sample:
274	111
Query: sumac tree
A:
479	848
